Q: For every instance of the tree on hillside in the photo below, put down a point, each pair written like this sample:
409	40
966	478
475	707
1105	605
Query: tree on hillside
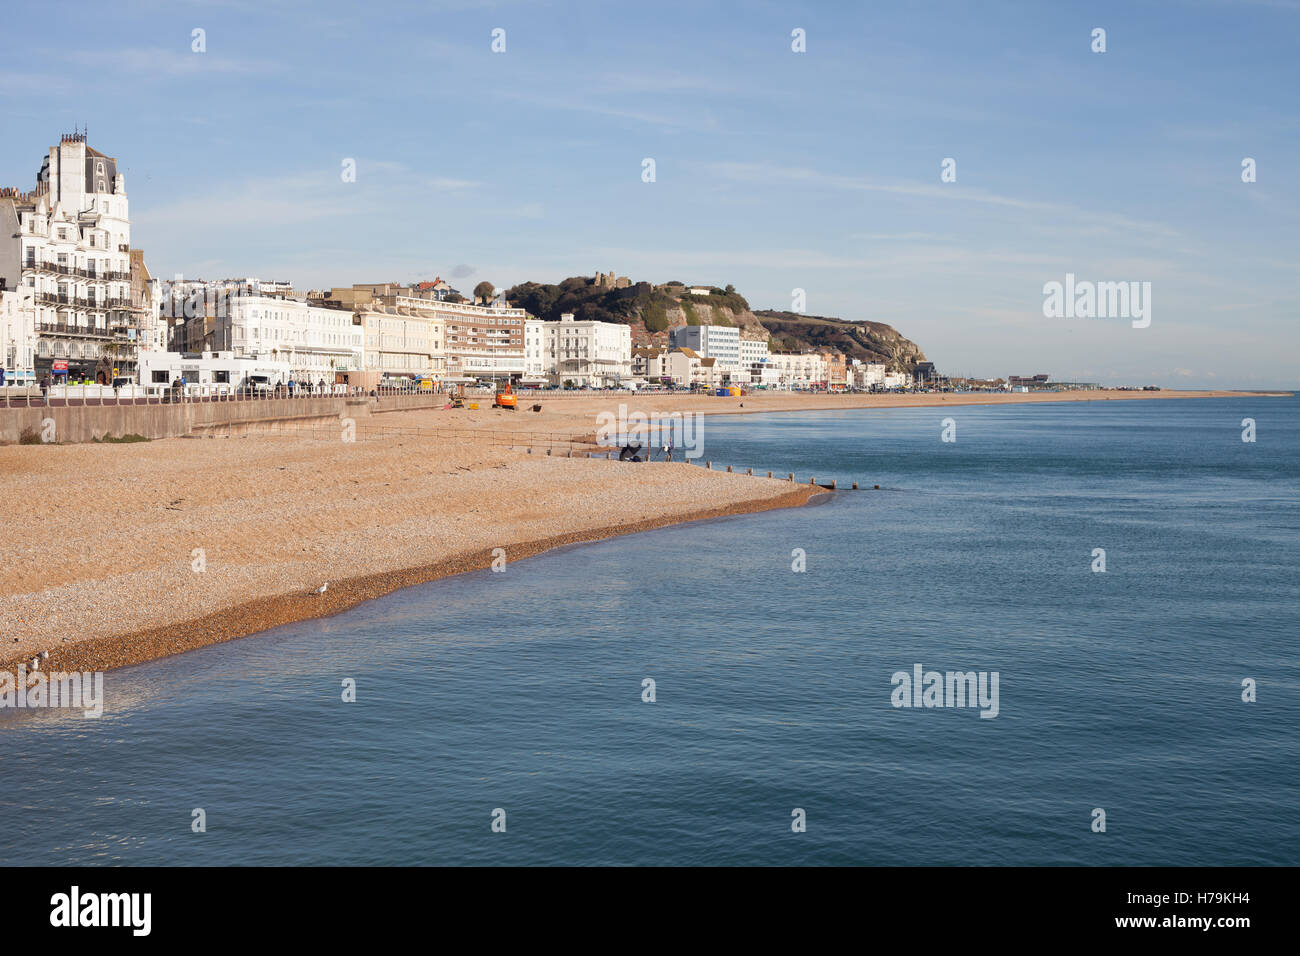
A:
484	290
536	299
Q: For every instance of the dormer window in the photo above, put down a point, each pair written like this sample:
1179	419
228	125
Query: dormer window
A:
99	169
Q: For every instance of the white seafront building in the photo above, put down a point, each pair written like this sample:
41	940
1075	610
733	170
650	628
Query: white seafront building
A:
315	343
755	367
209	372
591	353
68	243
535	358
866	375
799	369
400	344
684	367
17	335
720	342
319	344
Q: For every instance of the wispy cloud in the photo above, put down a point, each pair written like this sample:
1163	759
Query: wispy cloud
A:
448	184
291	200
900	237
770	174
576	104
166	61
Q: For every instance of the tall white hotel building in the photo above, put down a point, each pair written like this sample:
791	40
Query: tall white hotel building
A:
720	342
65	248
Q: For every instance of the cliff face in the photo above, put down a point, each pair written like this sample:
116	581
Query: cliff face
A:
653	311
867	341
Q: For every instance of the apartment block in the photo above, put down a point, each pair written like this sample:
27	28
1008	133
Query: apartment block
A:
721	342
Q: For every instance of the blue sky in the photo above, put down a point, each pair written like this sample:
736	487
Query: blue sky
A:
775	170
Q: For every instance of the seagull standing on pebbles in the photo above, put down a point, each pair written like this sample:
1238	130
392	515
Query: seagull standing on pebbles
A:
321	589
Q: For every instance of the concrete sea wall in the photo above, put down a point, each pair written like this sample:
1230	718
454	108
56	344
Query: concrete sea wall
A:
72	424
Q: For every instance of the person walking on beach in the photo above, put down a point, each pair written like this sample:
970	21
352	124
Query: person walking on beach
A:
668	450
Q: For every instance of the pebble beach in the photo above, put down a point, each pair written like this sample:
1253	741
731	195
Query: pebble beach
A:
122	553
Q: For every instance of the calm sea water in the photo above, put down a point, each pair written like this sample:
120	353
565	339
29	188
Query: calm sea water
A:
522	690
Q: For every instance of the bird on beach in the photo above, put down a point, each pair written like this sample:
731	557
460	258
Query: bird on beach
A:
36	663
321	589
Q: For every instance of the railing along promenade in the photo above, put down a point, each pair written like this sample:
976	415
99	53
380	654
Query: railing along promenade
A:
29	395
